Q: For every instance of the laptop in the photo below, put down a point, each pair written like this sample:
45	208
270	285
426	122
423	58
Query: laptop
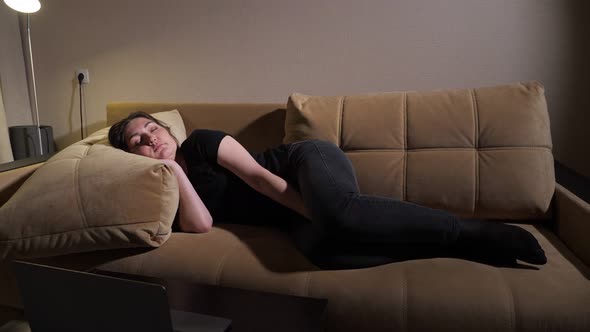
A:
57	299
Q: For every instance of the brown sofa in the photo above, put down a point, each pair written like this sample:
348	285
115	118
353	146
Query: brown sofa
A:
482	153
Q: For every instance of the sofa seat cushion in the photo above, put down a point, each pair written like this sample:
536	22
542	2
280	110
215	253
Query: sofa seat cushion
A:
439	294
91	196
483	152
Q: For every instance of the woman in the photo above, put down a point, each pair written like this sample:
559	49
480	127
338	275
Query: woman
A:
220	180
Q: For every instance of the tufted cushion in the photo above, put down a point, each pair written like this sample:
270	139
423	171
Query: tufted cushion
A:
476	152
90	196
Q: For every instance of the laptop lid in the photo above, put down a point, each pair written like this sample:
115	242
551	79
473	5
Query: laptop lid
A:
57	299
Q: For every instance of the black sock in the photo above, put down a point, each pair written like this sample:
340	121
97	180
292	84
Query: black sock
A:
499	240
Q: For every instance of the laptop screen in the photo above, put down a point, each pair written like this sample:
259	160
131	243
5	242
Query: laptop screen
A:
57	299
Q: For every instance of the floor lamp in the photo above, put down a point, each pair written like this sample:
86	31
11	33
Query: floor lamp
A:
27	7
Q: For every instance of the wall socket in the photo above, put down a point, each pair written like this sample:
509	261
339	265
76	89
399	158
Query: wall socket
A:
86	79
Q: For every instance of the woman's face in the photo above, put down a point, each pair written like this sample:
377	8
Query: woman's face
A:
146	138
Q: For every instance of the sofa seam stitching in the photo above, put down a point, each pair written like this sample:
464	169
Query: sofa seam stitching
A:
307	282
77	230
77	188
510	295
475	119
221	265
340	118
499	148
405	149
162	186
404	289
476	142
476	184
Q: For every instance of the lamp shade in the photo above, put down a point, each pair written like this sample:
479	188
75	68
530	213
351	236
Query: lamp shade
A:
24	6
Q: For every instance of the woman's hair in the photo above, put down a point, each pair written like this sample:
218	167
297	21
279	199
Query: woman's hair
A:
117	131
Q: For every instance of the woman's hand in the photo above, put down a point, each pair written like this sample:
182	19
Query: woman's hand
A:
232	156
193	215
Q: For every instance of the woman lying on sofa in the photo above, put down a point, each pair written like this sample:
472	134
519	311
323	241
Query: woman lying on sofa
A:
220	180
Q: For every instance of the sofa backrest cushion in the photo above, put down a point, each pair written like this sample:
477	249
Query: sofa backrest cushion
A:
482	152
90	196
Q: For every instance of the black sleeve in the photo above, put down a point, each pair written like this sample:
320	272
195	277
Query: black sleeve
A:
202	145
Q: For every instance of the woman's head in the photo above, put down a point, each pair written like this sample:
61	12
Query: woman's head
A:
142	134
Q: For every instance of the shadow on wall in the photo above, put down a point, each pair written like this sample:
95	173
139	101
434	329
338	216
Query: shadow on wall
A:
74	121
574	119
267	122
246	137
73	115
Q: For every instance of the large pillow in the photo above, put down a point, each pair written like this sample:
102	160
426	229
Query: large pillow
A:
483	152
91	196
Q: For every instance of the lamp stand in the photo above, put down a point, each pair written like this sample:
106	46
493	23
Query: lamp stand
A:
36	106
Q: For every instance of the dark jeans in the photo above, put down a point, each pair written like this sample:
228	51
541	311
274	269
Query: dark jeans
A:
346	222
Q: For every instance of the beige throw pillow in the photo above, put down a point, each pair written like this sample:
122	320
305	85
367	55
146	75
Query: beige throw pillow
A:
91	196
174	121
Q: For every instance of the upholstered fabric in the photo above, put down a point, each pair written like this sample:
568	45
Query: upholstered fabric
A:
420	295
572	219
90	196
11	180
174	121
476	152
15	320
439	294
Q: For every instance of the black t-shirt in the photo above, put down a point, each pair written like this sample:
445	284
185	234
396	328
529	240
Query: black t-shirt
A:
228	198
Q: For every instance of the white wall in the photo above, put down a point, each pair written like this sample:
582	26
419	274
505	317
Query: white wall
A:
13	79
262	50
5	148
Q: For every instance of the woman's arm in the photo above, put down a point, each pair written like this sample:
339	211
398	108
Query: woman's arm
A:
192	212
235	158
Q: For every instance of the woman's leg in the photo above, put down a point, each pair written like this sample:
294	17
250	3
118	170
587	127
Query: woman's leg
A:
327	183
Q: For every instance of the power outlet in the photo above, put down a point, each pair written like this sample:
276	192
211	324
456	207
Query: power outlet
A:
84	72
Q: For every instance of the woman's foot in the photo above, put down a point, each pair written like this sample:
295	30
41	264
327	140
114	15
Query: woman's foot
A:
499	240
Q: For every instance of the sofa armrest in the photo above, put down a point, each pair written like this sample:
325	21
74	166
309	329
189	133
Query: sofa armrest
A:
11	180
572	218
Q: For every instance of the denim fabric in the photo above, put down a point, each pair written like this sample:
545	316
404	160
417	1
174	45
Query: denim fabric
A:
341	214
